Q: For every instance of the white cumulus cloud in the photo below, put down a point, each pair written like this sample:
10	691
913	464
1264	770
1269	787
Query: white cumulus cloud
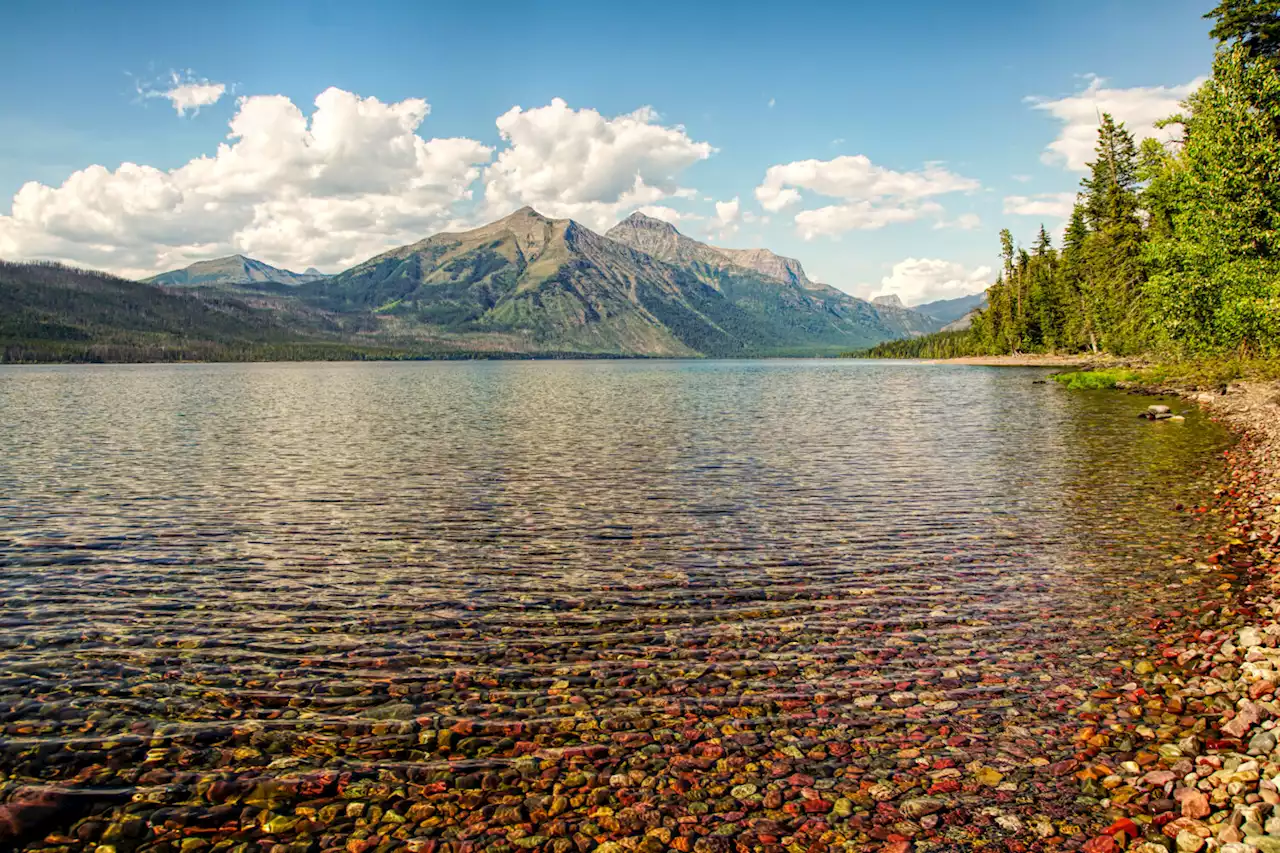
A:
859	216
582	165
185	91
920	280
330	189
872	196
1054	205
1139	108
728	218
728	212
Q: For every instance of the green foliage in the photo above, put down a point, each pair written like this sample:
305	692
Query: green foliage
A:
1216	273
1255	24
1095	380
937	345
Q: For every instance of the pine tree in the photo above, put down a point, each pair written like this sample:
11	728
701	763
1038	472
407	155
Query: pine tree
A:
1114	274
1255	24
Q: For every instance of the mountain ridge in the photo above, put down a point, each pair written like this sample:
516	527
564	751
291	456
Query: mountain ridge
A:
665	241
951	310
526	285
232	270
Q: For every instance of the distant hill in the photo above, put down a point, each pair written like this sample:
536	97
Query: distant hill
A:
963	323
233	270
53	312
951	310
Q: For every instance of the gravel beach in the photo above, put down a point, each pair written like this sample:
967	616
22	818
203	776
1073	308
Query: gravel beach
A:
1206	770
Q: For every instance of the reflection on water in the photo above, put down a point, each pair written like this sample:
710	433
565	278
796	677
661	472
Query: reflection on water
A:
553	605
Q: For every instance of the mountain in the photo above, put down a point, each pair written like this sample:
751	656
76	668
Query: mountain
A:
776	266
529	283
233	270
758	277
951	310
963	323
661	239
891	300
523	283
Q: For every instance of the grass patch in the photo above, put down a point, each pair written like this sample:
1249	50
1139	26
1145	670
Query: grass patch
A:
1095	380
1212	372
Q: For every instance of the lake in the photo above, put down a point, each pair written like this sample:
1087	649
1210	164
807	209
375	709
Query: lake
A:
623	605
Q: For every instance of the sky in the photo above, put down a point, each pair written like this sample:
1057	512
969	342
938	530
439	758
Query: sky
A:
882	144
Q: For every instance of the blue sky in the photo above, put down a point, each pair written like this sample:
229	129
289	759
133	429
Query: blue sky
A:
934	95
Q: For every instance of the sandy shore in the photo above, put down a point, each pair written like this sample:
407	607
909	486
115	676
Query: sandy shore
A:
1021	360
1188	755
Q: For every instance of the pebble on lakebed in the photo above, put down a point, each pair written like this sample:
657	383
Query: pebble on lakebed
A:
1161	413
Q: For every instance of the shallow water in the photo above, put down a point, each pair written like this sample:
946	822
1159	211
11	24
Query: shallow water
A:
724	598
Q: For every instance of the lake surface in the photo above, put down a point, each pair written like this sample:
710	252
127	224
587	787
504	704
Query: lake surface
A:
559	605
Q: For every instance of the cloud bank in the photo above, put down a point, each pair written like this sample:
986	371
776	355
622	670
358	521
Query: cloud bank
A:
348	181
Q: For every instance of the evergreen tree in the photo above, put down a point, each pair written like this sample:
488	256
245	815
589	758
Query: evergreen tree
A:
1113	250
1255	24
1217	273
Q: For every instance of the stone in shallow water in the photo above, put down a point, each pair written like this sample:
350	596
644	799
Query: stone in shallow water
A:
921	806
1245	717
1262	743
1188	842
1250	637
1265	844
1194	803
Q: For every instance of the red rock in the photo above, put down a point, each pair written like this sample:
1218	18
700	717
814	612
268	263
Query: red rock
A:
1173	827
1261	688
1243	720
1101	844
897	847
1124	825
1194	803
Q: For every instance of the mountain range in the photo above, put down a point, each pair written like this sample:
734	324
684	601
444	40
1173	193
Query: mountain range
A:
523	285
952	310
233	270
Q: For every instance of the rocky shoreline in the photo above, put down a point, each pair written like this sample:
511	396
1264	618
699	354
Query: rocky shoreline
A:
1205	775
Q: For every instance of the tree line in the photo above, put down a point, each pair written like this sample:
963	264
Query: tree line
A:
1172	246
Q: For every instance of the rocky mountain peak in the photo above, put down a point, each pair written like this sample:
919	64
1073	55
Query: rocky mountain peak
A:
765	261
524	214
640	220
890	300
